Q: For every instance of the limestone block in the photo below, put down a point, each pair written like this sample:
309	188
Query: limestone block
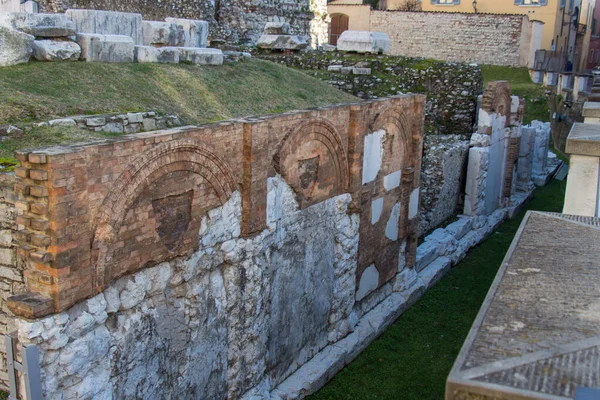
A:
162	55
582	186
277	28
62	122
334	68
435	271
108	23
30	6
201	56
426	253
195	31
369	281
39	25
15	47
106	48
159	33
460	228
480	140
364	42
361	71
444	240
10	5
56	50
282	42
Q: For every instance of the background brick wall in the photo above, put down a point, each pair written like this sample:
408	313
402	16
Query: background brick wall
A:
470	38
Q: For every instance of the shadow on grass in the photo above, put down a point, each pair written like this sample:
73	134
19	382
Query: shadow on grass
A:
413	357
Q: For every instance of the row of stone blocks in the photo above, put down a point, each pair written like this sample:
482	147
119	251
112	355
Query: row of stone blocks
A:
103	36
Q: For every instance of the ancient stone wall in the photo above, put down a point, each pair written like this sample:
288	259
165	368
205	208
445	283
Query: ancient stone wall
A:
245	247
470	38
239	21
11	273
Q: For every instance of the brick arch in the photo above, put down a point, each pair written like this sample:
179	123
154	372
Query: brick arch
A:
394	122
497	99
323	137
182	155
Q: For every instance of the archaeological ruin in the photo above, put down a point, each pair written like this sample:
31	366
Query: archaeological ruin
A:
270	250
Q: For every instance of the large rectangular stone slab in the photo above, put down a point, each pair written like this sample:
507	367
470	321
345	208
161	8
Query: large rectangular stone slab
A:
56	50
201	56
39	25
108	23
106	48
162	55
160	33
364	42
195	31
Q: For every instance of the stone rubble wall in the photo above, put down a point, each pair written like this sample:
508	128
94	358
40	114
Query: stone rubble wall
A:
443	179
11	274
237	22
128	123
469	38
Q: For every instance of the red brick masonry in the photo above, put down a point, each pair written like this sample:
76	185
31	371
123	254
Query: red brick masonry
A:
91	213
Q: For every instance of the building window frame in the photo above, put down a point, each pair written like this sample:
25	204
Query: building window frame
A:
531	3
445	2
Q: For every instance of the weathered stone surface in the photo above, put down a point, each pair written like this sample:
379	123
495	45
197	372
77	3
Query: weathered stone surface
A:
277	28
195	31
15	47
106	48
159	33
108	23
56	50
364	42
536	334
39	25
282	42
201	56
62	122
163	55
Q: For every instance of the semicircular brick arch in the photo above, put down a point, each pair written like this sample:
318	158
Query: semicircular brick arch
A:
312	159
394	121
167	158
497	99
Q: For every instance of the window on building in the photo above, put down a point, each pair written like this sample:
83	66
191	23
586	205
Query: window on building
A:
531	2
563	3
451	2
591	60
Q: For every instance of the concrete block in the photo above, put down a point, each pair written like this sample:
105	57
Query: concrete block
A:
39	25
201	56
106	48
56	50
108	23
364	42
162	55
195	31
160	33
15	47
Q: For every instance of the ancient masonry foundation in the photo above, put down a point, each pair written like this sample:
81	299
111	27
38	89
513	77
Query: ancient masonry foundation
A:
247	247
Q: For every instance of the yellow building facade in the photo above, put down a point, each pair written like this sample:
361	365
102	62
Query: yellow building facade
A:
550	12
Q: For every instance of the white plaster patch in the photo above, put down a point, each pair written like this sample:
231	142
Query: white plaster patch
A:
368	282
391	229
413	208
373	154
376	209
392	181
514	104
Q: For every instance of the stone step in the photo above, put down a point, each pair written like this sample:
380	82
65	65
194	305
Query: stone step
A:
201	56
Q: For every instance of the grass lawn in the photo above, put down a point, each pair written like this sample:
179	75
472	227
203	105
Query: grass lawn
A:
413	357
536	106
198	94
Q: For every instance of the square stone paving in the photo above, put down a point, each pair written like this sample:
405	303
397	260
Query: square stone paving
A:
537	335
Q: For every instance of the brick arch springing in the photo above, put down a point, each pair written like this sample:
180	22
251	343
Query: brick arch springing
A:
183	155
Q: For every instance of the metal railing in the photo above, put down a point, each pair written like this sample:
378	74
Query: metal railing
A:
28	368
